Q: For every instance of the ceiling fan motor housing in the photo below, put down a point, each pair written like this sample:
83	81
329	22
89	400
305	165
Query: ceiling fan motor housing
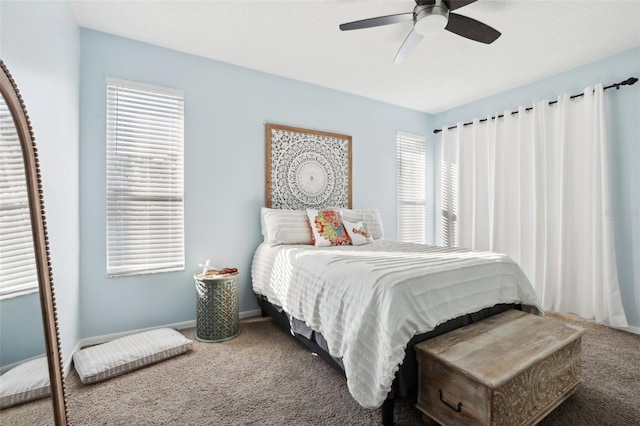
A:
430	18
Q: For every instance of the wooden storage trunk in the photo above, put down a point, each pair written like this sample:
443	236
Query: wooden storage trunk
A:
510	369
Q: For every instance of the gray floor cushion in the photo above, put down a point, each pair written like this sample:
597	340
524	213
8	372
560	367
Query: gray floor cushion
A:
125	354
26	382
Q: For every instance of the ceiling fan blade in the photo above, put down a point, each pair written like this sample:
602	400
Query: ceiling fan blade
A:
377	22
457	4
408	46
471	29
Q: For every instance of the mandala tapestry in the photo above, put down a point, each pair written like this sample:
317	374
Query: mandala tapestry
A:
307	168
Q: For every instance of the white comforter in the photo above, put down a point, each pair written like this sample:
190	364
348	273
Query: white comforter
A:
369	301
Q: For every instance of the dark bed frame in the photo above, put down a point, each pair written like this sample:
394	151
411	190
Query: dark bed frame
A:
406	381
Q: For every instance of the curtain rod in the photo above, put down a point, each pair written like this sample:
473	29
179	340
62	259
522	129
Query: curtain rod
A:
628	82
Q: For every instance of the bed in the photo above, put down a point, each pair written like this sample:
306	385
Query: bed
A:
357	300
362	308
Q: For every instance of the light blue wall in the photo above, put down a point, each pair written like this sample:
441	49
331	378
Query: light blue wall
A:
225	110
21	335
624	130
40	44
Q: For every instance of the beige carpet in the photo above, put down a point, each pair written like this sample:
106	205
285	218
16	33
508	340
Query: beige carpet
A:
264	377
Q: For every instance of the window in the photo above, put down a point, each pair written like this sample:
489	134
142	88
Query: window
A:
18	274
448	201
145	208
411	181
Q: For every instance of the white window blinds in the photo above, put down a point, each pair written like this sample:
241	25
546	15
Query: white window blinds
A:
411	181
145	169
18	274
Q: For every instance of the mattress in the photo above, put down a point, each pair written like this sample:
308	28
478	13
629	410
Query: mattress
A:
369	301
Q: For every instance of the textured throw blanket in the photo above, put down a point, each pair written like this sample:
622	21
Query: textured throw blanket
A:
369	301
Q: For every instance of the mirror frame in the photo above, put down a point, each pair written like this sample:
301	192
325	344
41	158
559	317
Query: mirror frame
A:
16	106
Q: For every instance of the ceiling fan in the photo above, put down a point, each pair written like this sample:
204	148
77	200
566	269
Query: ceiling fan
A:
429	16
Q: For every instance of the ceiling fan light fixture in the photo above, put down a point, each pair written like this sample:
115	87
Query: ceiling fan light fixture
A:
430	19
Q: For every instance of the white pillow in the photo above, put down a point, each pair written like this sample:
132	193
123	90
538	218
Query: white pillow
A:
26	382
282	226
358	233
371	218
327	228
119	356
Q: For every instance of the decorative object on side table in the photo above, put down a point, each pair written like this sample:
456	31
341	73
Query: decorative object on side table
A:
217	310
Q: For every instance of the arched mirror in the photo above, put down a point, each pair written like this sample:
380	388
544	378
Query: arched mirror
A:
29	340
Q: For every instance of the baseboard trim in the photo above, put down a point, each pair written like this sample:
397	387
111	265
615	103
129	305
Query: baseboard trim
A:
89	341
96	340
249	314
630	329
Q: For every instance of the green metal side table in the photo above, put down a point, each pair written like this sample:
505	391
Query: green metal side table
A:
217	310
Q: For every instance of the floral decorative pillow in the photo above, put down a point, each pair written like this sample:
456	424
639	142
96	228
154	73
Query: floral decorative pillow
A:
327	228
358	232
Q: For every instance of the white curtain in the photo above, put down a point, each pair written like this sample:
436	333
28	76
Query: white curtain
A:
535	185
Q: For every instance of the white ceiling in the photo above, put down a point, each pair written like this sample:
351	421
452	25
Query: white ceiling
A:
300	39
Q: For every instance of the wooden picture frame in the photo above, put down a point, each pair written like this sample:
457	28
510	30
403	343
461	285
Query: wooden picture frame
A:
307	168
